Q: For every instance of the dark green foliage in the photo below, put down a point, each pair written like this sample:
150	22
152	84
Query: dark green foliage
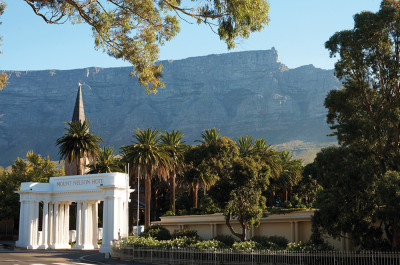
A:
156	231
347	202
364	115
208	206
308	247
79	143
271	242
296	202
265	242
228	240
106	162
188	233
280	241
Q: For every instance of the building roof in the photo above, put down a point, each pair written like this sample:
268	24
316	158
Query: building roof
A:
79	112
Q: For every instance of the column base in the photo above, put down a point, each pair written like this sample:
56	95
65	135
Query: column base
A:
20	244
89	246
32	247
77	247
60	246
44	247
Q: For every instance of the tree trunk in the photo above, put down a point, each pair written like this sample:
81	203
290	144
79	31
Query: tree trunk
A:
172	193
195	194
242	236
147	195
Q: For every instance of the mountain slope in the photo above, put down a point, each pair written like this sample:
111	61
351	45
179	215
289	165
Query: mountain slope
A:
241	93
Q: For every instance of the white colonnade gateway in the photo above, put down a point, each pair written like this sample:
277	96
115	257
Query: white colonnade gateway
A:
86	191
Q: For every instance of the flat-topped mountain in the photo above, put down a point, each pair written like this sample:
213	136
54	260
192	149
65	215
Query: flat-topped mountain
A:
241	93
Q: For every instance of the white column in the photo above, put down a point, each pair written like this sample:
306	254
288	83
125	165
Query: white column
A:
56	224
95	224
61	224
23	225
78	224
89	225
105	244
33	224
36	226
45	224
84	223
51	224
66	224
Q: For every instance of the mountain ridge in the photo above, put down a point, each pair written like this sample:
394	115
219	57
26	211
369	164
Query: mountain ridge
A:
241	93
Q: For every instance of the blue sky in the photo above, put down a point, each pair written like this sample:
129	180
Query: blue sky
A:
298	30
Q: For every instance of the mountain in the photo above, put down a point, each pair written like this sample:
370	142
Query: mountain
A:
241	93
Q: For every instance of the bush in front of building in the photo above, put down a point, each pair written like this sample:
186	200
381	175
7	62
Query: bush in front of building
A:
271	242
186	233
157	232
228	240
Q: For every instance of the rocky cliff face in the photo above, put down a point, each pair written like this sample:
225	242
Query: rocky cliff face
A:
241	93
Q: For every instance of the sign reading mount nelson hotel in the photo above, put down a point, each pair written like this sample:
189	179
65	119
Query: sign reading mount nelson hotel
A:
57	196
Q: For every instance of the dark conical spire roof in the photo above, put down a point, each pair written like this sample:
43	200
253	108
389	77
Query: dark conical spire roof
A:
79	112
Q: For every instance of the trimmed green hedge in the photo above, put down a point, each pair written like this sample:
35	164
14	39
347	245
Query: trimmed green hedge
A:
185	242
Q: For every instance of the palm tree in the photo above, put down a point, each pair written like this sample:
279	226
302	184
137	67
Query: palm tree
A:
175	147
271	158
246	146
106	162
78	143
291	172
149	155
210	135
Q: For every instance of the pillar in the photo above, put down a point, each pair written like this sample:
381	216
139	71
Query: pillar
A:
56	224
23	225
45	224
78	225
95	224
66	224
105	247
84	218
108	224
33	221
61	224
51	224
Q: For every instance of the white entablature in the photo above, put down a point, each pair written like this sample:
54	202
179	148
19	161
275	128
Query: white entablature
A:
86	191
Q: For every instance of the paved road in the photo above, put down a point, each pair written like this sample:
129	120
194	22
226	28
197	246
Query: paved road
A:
44	257
11	256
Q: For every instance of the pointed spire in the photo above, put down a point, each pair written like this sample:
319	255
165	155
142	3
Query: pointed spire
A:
79	112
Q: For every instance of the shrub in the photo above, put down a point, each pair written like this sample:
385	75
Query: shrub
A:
228	240
246	246
209	244
186	233
168	213
308	247
157	232
143	242
181	242
280	241
266	243
208	206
